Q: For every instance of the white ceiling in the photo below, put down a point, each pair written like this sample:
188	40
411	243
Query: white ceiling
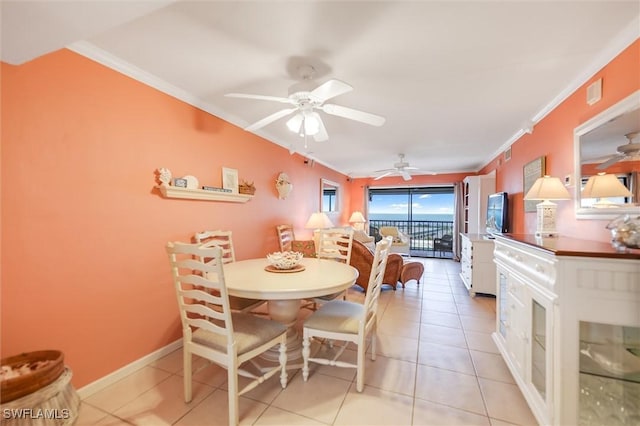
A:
456	81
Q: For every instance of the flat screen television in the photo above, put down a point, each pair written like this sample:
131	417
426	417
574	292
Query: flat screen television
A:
497	213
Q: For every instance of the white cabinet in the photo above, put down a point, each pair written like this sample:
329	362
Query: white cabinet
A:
558	299
476	191
477	270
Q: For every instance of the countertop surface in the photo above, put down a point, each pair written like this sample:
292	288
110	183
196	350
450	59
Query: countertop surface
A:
565	246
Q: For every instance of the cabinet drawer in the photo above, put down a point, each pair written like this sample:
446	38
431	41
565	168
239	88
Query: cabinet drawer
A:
466	249
536	265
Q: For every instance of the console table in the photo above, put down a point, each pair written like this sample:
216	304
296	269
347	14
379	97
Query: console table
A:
568	327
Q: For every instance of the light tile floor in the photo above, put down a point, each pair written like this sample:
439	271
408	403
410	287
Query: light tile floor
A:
436	365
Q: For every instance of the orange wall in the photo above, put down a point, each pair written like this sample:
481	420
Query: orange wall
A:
83	231
552	137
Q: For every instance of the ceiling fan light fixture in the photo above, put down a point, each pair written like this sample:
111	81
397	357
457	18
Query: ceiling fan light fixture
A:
294	124
311	123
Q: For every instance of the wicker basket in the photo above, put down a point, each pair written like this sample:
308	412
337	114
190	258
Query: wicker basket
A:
247	189
20	386
56	404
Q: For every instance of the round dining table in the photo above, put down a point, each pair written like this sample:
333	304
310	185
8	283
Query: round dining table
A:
284	290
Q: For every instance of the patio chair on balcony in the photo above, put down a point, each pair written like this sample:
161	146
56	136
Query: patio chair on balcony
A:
443	244
401	241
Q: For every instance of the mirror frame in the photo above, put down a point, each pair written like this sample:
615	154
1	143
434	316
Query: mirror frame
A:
328	183
628	104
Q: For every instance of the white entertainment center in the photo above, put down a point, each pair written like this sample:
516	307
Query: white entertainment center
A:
568	327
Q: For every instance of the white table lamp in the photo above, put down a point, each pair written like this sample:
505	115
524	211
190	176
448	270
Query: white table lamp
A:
357	220
547	188
318	221
603	186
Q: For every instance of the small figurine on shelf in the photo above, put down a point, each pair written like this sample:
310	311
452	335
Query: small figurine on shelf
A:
164	176
283	185
246	188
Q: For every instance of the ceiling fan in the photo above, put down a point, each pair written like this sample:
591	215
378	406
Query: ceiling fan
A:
305	101
401	168
629	150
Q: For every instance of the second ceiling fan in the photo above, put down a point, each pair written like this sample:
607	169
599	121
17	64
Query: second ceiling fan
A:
401	168
306	101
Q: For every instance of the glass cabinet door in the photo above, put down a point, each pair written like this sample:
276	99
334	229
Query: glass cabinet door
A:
539	348
609	374
502	304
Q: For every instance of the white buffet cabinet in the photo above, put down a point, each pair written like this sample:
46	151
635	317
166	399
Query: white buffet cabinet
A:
568	327
477	270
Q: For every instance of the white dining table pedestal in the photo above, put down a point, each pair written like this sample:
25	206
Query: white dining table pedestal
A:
286	312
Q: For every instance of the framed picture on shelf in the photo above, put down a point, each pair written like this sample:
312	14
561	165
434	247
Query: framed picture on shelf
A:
531	172
230	179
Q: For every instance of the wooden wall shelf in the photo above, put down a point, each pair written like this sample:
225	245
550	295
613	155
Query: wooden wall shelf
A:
168	191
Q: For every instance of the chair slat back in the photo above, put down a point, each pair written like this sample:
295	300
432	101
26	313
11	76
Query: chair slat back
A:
336	244
218	238
285	236
200	287
376	277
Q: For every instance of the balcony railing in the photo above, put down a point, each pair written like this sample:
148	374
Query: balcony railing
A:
422	233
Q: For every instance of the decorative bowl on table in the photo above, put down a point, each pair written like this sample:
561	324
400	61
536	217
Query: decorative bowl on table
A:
284	260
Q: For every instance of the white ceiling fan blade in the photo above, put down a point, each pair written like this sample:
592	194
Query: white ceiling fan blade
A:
405	175
353	114
385	174
260	97
322	135
611	161
330	89
270	119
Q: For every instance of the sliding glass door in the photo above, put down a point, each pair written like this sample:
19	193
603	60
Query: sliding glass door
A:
425	213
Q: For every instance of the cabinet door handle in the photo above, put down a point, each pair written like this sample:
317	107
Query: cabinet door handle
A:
539	268
518	258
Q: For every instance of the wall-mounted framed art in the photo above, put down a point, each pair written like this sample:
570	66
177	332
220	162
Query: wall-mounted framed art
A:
230	179
531	172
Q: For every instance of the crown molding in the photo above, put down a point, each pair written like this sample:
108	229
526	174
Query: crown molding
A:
621	41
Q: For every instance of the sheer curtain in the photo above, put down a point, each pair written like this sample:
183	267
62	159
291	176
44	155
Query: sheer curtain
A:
458	217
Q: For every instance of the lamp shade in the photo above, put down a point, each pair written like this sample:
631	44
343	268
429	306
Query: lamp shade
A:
294	123
304	123
357	217
548	188
318	220
603	186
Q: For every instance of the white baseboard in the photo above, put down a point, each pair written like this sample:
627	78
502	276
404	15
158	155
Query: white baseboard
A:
111	378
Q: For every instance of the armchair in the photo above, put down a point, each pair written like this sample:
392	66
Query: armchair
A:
443	244
401	241
362	259
367	240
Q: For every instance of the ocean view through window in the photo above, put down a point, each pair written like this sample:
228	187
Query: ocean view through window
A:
424	213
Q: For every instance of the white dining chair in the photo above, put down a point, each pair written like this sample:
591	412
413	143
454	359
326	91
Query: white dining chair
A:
211	330
341	320
286	236
333	244
224	240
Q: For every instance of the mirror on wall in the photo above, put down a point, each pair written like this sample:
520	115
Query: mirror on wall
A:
606	144
329	196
